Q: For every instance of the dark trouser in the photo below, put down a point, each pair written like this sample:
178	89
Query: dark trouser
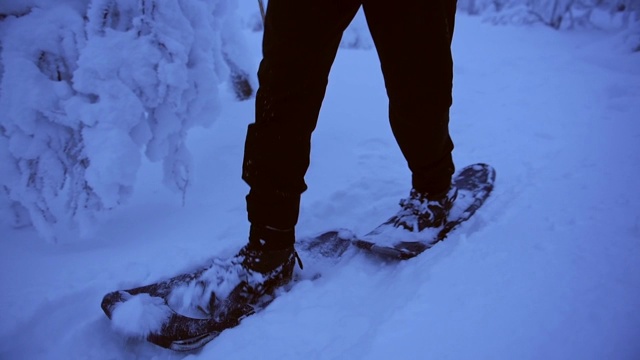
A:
301	37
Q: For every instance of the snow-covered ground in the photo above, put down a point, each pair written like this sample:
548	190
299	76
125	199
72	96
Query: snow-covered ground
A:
548	269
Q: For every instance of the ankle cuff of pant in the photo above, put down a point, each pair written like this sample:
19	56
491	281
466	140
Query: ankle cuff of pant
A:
433	188
269	238
278	210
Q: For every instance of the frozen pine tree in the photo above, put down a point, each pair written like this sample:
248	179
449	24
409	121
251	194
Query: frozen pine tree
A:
558	14
89	87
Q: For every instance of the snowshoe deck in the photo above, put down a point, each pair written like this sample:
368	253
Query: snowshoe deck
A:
474	183
179	332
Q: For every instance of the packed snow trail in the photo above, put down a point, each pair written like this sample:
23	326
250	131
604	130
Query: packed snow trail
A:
546	269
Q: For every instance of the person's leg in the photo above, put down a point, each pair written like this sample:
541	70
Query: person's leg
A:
413	41
301	38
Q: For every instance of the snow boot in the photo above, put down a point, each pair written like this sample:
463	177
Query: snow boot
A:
420	211
229	288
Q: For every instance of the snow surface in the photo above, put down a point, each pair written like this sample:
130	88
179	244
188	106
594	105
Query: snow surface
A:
547	269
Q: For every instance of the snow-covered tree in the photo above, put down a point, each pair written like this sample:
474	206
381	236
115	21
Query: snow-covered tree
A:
88	87
555	13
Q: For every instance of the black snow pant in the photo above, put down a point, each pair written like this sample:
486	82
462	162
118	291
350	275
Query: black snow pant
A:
301	38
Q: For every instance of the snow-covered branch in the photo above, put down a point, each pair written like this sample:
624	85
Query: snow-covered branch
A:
88	87
554	13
